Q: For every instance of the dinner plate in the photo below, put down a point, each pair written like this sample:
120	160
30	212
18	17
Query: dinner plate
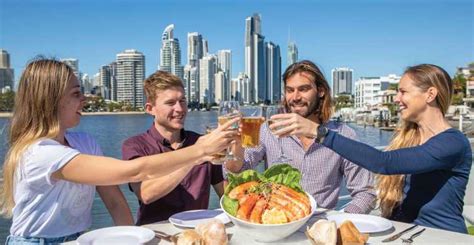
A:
117	235
365	223
191	218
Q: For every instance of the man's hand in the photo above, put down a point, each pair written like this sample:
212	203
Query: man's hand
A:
218	140
293	124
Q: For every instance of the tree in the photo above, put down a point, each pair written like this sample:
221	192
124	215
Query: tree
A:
7	100
459	84
344	101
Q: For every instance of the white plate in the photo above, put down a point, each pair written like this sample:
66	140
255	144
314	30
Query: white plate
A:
364	223
192	218
117	235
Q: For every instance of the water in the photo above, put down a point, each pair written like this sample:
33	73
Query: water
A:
111	130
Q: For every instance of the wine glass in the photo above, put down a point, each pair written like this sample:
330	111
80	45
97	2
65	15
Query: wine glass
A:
220	157
229	110
274	110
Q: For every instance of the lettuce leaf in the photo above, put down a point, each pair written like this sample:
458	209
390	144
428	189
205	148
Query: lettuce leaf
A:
245	176
230	205
284	174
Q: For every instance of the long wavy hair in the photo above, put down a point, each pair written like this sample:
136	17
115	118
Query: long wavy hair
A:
424	76
35	116
324	107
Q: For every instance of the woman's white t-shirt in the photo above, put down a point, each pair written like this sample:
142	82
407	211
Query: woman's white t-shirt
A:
47	207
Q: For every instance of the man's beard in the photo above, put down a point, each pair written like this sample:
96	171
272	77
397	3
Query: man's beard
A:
312	107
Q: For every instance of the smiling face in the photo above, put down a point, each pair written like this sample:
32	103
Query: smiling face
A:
413	101
71	104
301	94
169	108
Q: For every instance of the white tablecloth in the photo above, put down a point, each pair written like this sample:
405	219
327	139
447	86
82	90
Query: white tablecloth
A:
430	236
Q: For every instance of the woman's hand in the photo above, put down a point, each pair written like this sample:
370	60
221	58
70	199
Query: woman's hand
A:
219	139
293	124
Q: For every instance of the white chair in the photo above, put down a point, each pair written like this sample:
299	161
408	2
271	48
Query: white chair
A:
468	211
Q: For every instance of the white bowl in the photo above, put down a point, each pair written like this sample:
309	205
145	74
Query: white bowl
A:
272	232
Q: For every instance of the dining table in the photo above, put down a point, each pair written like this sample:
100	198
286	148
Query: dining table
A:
238	237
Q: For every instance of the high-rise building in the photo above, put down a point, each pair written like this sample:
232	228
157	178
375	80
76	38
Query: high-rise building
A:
86	84
239	88
74	64
170	53
255	58
273	61
219	86
207	69
341	81
292	55
107	80
6	72
224	64
195	48
130	76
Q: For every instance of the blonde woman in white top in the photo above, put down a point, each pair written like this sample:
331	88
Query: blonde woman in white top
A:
47	180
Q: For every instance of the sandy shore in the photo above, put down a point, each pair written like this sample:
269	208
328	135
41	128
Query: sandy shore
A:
9	114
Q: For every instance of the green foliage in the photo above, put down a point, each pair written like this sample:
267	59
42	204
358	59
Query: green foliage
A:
343	101
459	84
7	100
457	99
393	86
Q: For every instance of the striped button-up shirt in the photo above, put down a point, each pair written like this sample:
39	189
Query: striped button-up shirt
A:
322	169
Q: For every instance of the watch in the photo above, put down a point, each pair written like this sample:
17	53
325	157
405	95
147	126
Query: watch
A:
321	132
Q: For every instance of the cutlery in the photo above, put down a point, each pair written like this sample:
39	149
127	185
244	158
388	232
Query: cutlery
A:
396	236
410	239
166	237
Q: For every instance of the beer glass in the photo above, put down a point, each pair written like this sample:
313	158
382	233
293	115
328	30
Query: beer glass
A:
228	110
252	119
274	110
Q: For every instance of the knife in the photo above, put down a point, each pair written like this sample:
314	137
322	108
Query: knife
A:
396	236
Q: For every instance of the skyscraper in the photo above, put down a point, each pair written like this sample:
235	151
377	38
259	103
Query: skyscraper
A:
219	86
292	55
130	76
341	81
6	73
207	69
170	53
191	77
224	64
255	58
273	61
195	48
74	64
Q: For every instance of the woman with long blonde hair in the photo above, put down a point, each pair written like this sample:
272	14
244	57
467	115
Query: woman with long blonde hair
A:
426	167
49	174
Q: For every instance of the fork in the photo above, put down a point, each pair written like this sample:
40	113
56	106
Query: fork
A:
410	239
166	237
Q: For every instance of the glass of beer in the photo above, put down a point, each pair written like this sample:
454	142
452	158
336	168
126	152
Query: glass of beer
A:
229	110
251	121
218	158
274	110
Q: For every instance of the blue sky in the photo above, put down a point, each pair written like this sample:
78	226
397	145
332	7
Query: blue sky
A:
373	37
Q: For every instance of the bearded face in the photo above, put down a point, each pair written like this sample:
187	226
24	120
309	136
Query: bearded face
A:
301	94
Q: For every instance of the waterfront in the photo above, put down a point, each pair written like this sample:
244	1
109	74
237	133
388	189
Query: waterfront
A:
111	130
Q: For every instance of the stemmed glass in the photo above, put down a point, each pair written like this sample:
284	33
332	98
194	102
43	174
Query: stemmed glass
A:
274	110
220	157
228	110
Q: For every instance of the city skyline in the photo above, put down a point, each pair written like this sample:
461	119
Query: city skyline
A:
375	38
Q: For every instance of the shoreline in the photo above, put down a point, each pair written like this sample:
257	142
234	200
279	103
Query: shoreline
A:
9	114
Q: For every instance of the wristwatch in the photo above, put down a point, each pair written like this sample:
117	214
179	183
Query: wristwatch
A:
321	132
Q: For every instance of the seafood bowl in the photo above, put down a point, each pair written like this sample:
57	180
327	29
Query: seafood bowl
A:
270	232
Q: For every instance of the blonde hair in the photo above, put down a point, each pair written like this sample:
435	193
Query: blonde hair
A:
325	108
35	116
424	76
159	81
